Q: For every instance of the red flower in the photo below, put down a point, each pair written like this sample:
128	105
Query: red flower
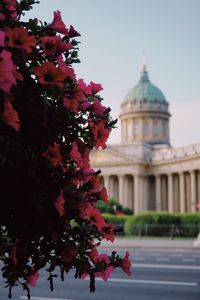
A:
75	154
2	17
11	6
98	108
85	88
68	254
49	74
72	32
104	274
126	264
95	88
69	72
10	116
58	24
108	233
7	78
53	45
94	254
101	134
53	155
59	204
33	278
73	101
103	195
95	184
19	38
95	217
2	39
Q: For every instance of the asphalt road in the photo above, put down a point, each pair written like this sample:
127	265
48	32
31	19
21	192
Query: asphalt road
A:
157	275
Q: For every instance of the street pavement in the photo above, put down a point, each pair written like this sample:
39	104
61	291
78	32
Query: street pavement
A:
161	270
124	242
158	273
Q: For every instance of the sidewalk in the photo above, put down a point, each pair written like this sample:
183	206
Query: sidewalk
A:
150	243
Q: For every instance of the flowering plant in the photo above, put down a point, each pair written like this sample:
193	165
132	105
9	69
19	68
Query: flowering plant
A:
49	123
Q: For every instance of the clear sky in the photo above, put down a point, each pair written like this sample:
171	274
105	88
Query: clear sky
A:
115	33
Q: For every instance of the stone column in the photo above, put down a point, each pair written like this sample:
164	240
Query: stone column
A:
193	191
170	193
121	190
136	194
182	193
107	185
142	194
158	193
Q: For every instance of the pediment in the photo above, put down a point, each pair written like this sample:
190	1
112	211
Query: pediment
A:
109	157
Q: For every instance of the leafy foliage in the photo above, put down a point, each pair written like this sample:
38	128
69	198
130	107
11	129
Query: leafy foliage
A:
113	207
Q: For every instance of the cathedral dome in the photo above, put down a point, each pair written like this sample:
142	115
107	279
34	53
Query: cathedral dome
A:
144	113
144	90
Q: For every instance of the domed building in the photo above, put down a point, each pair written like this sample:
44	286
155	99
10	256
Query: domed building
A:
144	172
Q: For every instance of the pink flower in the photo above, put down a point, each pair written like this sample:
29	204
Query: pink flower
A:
59	204
33	278
101	134
94	254
106	269
85	88
58	24
2	39
95	88
72	32
53	155
74	100
10	116
11	6
126	264
49	74
104	274
54	45
19	38
80	156
2	17
69	72
7	78
75	154
95	184
98	108
95	217
108	233
103	195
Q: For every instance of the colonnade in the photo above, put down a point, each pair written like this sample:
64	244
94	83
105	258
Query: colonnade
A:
173	192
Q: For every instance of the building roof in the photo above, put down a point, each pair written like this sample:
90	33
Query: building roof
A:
144	90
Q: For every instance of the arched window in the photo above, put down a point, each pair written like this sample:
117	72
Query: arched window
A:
146	129
136	128
155	128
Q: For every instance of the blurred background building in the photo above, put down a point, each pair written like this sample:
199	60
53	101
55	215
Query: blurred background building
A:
144	172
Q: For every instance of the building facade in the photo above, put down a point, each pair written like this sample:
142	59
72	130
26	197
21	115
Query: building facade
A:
144	172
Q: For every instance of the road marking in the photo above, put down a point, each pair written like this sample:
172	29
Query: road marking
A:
161	282
139	258
196	255
43	298
163	259
161	266
188	259
176	255
154	254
